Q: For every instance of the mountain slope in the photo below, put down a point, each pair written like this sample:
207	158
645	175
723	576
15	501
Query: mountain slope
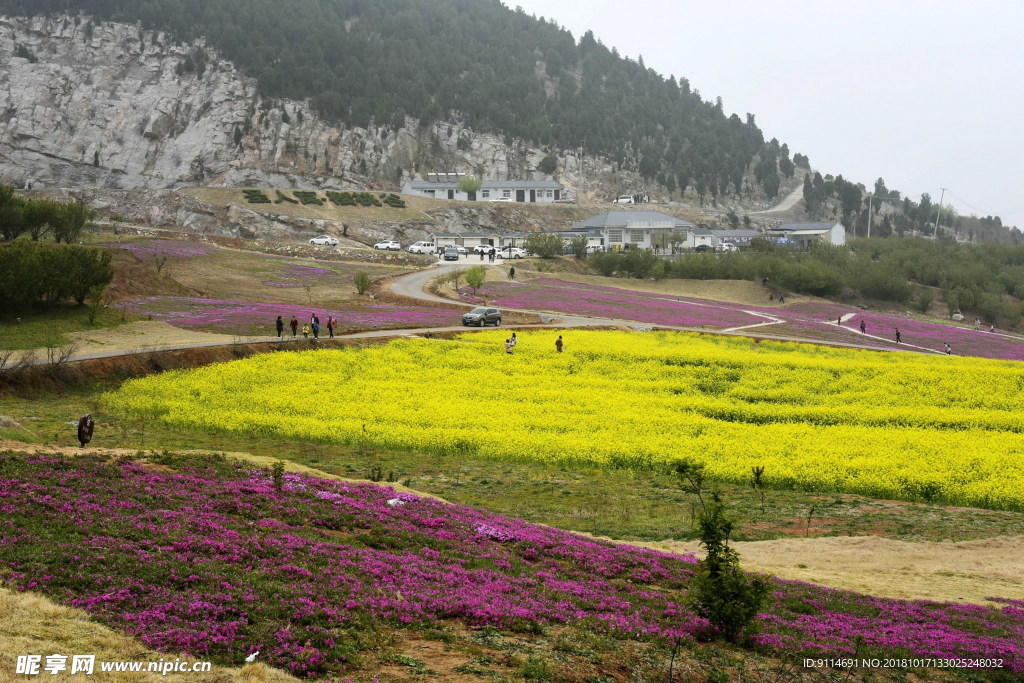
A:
498	70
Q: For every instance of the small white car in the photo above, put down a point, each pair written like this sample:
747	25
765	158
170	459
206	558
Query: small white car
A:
325	241
462	250
482	249
422	248
502	199
388	245
512	252
725	246
624	199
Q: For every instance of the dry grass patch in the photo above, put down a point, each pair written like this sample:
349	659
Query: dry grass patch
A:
32	624
965	571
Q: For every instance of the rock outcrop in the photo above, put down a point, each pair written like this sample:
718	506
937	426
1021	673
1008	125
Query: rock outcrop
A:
85	104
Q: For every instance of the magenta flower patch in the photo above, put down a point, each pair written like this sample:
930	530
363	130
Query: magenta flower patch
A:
253	318
209	558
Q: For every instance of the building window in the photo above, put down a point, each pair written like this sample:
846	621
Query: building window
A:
636	236
506	193
548	194
615	236
429	193
485	194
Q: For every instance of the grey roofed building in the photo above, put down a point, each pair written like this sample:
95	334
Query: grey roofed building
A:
806	233
640	219
539	191
644	229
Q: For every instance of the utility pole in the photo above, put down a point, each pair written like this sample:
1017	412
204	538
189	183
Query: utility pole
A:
870	197
938	211
583	176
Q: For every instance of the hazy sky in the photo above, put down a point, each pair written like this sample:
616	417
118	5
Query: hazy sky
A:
923	94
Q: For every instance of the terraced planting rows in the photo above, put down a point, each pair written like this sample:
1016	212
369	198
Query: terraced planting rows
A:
896	426
220	560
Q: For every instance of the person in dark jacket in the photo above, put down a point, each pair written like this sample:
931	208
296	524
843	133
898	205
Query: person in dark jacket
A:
280	326
294	324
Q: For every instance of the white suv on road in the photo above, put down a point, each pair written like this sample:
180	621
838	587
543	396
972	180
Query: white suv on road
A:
388	245
422	248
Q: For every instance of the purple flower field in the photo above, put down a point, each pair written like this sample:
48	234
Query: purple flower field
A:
254	318
207	557
608	302
148	249
809	319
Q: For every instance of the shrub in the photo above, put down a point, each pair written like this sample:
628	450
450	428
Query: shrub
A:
544	244
475	277
722	593
362	282
256	196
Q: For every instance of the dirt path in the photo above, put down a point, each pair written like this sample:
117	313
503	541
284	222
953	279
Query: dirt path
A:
786	204
967	571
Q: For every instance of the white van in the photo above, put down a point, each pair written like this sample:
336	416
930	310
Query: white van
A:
624	199
422	248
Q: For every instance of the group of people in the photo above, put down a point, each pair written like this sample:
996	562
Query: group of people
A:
511	342
313	326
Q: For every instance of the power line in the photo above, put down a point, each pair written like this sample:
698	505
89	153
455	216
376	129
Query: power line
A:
971	206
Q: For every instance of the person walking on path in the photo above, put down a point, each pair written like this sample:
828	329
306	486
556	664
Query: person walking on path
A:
512	273
949	349
330	326
508	346
481	255
280	326
305	330
863	327
558	344
839	321
782	297
294	324
897	335
314	323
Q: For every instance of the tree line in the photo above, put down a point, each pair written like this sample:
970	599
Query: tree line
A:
37	218
986	280
36	276
881	212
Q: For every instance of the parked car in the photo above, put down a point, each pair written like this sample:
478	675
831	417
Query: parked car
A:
502	199
725	246
701	248
482	315
451	254
325	241
388	245
462	250
624	199
482	249
422	248
512	252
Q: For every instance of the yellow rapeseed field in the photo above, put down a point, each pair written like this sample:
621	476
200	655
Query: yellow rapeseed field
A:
892	425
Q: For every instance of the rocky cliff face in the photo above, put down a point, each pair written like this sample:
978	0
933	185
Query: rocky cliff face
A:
110	105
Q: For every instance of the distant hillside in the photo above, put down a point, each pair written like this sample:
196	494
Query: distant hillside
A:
498	70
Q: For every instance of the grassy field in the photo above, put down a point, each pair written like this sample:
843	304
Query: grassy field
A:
34	330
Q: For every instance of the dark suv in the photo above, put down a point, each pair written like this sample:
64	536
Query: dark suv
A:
451	254
482	315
